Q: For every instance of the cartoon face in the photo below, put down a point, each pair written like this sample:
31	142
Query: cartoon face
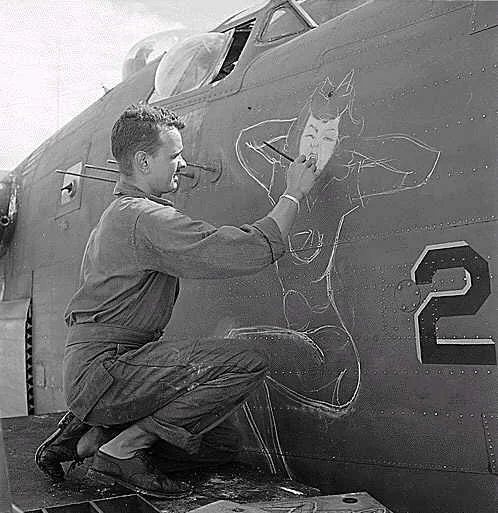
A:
319	139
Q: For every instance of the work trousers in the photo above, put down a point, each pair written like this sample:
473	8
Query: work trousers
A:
178	390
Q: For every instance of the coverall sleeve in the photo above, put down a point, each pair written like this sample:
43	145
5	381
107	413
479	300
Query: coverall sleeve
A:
169	241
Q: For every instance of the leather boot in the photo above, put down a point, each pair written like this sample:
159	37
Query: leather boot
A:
60	447
73	441
137	474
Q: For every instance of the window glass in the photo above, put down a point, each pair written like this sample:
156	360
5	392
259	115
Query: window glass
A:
190	64
240	37
325	10
283	22
70	184
151	48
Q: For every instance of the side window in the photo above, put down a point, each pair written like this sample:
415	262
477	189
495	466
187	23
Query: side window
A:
283	22
240	37
70	189
70	183
69	172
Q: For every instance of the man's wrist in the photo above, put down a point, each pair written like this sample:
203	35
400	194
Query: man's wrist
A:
293	199
295	194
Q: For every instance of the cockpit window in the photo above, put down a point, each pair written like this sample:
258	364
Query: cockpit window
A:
326	10
240	37
151	48
283	22
190	64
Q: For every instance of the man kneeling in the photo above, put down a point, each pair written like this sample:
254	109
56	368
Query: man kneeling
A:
126	390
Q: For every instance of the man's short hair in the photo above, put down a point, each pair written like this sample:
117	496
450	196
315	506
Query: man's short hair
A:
138	129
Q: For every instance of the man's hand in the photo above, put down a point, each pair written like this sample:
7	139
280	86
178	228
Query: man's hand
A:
301	176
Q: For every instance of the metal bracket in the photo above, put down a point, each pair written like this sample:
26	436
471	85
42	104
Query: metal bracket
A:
121	504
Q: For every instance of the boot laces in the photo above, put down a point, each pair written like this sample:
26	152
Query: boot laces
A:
75	463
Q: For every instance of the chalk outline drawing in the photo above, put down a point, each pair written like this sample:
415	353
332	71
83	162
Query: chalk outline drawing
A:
341	98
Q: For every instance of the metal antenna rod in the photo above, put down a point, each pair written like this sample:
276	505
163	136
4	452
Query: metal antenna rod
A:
182	173
85	176
200	166
186	173
100	168
190	164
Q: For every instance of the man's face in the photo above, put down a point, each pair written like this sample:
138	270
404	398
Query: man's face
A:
166	163
319	139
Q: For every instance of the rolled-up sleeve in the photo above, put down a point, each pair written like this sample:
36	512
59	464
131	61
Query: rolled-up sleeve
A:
169	241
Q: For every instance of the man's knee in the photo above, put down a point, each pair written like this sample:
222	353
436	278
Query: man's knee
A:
254	361
233	354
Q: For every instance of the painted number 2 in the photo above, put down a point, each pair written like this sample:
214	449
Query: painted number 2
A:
450	303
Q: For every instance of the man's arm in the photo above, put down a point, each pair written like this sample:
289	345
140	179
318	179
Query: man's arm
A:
169	241
301	177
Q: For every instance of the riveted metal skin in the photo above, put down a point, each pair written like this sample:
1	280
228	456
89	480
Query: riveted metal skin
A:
408	295
404	93
483	17
490	424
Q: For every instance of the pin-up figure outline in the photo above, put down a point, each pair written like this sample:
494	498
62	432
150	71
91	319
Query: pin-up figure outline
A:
320	319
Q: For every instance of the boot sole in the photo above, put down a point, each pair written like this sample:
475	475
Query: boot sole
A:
110	480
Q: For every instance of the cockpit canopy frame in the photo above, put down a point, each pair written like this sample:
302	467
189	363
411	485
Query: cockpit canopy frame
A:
191	64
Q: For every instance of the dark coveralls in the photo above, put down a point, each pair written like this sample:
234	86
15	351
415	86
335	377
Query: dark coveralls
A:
116	370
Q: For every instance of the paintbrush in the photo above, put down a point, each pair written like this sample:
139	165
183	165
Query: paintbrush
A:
290	159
